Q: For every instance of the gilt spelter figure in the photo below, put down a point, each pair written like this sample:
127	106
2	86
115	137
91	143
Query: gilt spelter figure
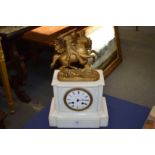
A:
71	49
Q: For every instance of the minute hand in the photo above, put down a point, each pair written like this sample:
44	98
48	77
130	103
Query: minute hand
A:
84	100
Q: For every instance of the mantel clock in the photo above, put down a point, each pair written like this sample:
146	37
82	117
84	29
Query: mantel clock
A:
78	100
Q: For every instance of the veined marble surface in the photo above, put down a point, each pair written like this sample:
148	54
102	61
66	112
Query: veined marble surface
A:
10	29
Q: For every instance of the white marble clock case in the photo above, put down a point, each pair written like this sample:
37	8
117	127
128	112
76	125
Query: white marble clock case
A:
93	117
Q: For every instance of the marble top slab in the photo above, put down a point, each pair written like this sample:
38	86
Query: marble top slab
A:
10	29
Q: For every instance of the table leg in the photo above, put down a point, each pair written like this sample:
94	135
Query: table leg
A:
5	81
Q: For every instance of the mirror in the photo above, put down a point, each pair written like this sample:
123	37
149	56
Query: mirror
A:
105	41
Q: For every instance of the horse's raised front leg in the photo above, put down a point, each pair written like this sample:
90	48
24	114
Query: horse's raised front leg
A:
54	60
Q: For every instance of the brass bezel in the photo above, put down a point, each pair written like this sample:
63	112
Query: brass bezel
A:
91	99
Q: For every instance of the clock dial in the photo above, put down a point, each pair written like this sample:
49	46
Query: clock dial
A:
78	99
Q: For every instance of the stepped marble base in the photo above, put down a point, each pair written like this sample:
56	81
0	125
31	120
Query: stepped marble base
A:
79	119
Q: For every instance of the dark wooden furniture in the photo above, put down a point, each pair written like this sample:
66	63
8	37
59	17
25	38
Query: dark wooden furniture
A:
5	81
137	28
10	38
45	35
43	38
2	118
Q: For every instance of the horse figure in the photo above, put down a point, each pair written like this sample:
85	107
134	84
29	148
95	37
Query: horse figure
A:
73	48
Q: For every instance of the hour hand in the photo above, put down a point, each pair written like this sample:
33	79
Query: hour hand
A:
84	103
71	102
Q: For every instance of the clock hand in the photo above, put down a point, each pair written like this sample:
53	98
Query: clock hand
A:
81	100
84	103
71	102
84	100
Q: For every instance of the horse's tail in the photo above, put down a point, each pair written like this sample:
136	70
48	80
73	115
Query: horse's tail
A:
94	52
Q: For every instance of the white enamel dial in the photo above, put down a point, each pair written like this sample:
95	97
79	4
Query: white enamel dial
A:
78	99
